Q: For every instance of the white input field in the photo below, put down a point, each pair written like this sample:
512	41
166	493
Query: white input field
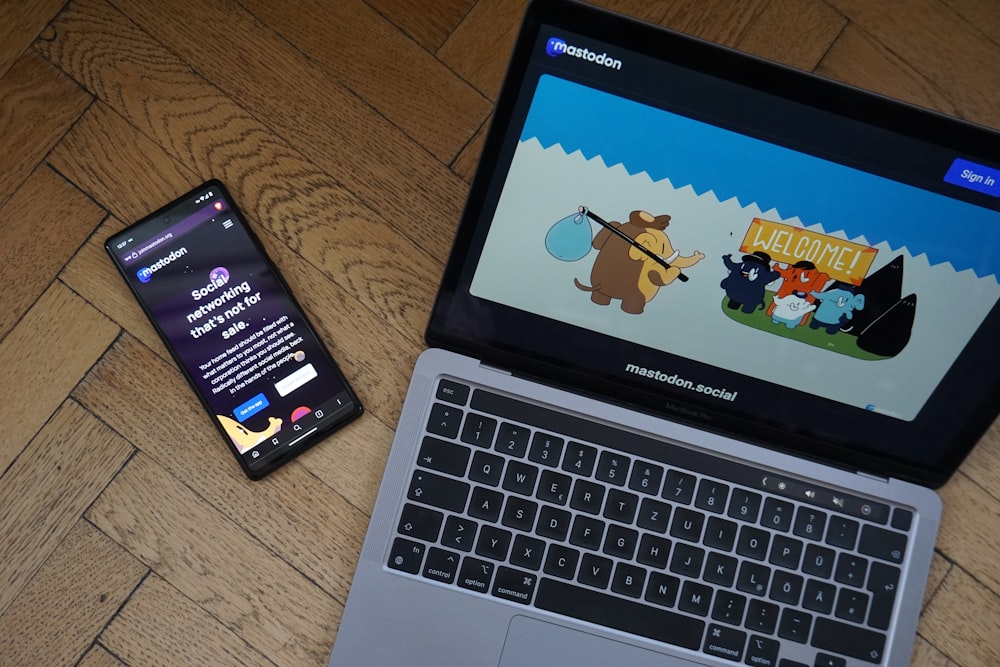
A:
290	383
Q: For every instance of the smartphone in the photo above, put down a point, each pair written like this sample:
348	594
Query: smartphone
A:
228	318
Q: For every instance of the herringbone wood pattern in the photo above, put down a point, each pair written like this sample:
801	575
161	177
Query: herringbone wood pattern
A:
348	131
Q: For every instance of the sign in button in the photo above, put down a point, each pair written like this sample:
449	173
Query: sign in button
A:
290	383
250	408
974	177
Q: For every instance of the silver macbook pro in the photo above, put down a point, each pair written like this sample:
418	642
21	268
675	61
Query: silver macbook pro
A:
711	332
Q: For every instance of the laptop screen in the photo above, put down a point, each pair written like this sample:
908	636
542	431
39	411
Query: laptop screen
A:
735	244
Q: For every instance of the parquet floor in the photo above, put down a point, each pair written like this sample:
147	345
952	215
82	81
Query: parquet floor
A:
348	130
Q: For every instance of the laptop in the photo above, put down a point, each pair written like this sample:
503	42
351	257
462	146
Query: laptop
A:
711	332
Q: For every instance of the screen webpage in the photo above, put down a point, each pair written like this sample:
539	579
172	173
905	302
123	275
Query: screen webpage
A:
682	236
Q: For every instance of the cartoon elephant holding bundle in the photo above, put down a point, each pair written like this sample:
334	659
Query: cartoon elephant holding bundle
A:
623	271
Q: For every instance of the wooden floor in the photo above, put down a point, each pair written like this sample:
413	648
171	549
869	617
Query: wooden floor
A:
348	131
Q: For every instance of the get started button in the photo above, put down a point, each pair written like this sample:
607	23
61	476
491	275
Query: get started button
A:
974	177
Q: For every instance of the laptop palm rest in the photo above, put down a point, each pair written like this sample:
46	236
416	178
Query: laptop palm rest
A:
534	643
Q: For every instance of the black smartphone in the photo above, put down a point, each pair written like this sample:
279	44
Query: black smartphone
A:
234	328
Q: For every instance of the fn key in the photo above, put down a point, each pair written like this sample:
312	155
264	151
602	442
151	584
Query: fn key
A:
406	555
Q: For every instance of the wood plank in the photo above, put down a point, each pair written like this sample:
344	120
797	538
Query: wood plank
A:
198	123
478	49
72	597
983	464
926	655
721	21
98	656
963	621
968	535
212	561
20	23
44	208
40	104
981	15
797	33
940	45
939	570
49	350
306	522
44	493
160	626
427	23
376	61
467	161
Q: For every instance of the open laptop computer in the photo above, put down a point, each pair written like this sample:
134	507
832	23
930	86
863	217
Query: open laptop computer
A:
710	333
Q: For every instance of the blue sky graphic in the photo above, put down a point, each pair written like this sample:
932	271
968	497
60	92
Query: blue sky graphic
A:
688	152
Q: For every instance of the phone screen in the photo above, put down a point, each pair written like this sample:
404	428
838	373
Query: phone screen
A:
234	327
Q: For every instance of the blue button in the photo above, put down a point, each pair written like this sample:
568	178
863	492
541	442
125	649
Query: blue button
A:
250	408
974	177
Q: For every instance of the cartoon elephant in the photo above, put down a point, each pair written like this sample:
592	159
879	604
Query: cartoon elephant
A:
622	271
746	280
836	308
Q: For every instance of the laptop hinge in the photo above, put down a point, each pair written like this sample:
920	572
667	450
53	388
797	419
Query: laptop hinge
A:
877	478
487	367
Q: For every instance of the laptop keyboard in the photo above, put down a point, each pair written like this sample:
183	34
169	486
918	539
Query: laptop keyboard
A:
529	505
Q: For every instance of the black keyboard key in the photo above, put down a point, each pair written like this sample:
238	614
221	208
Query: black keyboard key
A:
646	478
520	478
762	651
725	642
720	534
794	625
628	580
744	505
453	392
545	449
479	430
712	496
553	523
850	640
662	589
579	459
485	504
519	513
445	420
613	468
720	569
687	560
561	561
809	523
512	440
843	532
653	515
587	532
762	616
476	575
818	561
687	524
486	468
587	497
621	506
753	543
819	596
679	487
406	555
442	492
620	541
595	571
443	456
653	551
786	552
695	598
753	578
728	607
851	570
881	543
827	660
527	552
459	533
441	565
852	605
882	583
902	519
420	523
620	614
785	587
493	543
777	515
514	585
554	487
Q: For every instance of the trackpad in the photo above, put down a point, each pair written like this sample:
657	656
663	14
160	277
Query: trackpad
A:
533	643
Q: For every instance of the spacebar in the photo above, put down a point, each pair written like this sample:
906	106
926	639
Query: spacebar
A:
612	612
